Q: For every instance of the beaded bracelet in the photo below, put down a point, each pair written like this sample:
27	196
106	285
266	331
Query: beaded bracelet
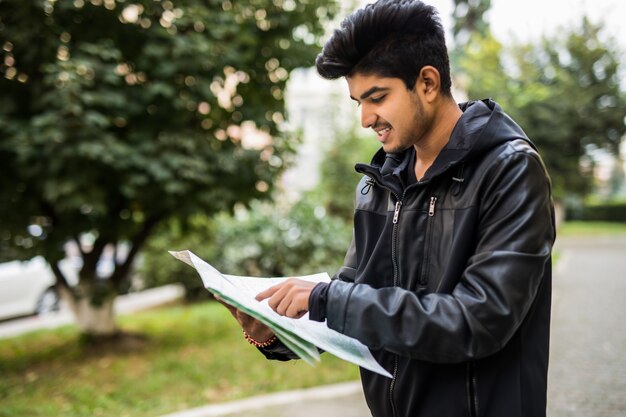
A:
258	344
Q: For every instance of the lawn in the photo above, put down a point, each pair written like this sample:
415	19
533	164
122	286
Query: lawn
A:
588	229
191	356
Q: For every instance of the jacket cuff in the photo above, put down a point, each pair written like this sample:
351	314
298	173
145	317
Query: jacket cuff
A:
337	305
278	351
317	302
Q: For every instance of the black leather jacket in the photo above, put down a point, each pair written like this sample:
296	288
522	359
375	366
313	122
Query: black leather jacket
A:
448	280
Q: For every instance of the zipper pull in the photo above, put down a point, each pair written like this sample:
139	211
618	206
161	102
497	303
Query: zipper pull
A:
431	206
396	213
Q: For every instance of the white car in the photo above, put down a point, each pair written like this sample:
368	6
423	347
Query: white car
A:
27	288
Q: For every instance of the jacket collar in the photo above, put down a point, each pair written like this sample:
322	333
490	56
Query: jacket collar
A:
482	127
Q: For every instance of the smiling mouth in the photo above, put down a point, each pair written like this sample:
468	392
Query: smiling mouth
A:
383	132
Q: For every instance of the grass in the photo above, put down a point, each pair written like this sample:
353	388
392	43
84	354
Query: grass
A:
589	229
191	356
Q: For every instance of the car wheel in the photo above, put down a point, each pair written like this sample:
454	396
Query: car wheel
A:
48	302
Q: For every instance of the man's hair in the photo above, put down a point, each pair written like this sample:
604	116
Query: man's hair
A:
390	38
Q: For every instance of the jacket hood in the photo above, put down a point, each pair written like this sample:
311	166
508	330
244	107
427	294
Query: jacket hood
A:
482	127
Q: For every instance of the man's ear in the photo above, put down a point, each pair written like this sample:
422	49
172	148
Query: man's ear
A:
428	82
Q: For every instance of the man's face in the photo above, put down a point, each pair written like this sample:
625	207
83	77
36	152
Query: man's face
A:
396	114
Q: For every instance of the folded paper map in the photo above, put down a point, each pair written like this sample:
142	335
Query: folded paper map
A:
302	336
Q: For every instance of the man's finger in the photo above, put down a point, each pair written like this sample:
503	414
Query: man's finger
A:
268	292
295	309
282	301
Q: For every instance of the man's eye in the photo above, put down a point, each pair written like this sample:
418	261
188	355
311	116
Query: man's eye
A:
377	99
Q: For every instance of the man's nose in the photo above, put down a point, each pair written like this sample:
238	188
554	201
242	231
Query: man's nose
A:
368	117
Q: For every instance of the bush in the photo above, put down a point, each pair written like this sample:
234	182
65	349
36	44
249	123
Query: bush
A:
267	241
599	211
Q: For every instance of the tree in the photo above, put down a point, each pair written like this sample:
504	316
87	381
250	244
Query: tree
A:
564	91
116	116
469	18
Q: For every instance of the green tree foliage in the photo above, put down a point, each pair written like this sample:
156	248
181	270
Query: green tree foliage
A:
118	115
564	91
469	18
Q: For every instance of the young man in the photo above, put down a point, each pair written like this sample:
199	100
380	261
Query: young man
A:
448	276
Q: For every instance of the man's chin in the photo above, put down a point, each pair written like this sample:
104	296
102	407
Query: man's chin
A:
389	148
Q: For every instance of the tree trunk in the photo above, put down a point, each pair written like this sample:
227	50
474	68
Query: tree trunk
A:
93	319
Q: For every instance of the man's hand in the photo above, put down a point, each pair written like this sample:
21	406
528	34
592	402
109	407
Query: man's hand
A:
254	328
290	298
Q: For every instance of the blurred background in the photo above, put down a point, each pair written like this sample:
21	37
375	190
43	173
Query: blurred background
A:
129	128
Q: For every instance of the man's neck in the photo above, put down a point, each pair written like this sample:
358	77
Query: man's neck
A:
426	151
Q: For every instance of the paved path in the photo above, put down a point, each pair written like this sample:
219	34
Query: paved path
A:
588	344
337	400
588	347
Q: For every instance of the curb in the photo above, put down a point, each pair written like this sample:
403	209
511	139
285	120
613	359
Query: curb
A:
269	400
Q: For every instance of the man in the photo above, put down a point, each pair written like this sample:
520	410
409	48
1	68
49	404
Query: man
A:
448	276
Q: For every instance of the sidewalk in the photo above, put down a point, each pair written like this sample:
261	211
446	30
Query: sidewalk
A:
337	400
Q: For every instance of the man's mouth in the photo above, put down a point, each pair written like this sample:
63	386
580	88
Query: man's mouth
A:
383	133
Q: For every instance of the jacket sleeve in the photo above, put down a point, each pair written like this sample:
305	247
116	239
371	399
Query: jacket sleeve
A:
493	295
278	351
348	271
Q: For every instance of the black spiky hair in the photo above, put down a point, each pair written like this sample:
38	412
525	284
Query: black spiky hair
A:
390	38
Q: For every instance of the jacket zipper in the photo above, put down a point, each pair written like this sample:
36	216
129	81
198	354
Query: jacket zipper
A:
432	205
396	273
396	213
394	235
396	278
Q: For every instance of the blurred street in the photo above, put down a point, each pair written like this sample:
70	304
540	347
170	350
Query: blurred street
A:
124	304
587	358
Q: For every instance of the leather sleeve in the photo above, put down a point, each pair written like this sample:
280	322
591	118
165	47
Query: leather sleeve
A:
348	271
494	293
278	351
